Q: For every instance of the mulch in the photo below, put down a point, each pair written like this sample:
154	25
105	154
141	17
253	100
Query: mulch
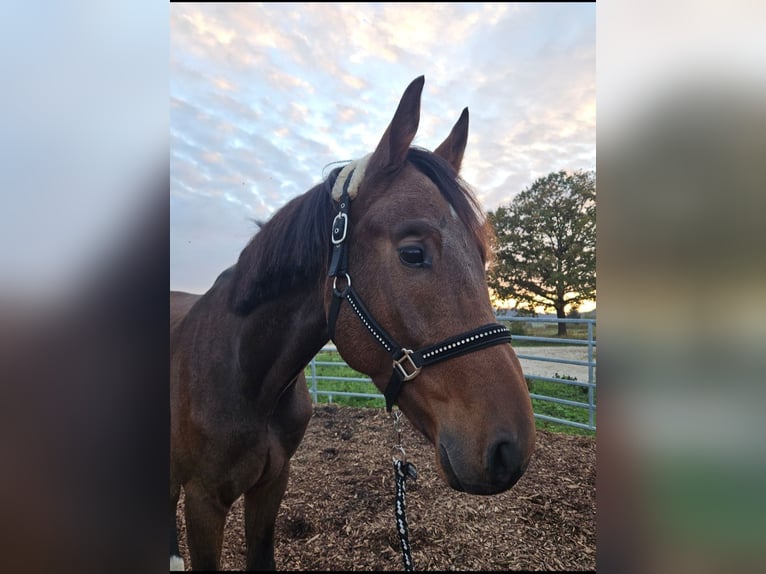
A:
338	512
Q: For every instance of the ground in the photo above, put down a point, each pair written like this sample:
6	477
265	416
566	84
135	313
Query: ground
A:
338	512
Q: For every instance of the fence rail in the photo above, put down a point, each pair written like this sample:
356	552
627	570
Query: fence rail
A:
533	366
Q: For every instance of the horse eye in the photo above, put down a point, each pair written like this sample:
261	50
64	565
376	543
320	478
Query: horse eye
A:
412	256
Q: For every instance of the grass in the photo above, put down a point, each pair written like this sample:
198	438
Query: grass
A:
330	364
571	413
340	369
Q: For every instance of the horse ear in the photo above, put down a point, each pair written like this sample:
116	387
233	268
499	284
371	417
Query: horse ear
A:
453	147
391	152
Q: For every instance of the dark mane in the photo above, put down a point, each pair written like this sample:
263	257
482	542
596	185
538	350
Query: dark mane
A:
457	193
291	248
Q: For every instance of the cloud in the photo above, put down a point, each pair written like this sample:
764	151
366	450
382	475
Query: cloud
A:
271	94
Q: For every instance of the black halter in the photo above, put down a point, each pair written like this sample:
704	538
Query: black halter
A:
407	363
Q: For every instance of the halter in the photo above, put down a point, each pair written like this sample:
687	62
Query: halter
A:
407	363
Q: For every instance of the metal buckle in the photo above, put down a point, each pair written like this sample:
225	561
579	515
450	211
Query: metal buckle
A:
339	228
399	364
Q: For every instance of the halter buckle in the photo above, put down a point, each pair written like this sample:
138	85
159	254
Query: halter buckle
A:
399	365
339	228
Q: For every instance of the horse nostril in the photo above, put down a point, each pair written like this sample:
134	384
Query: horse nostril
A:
505	463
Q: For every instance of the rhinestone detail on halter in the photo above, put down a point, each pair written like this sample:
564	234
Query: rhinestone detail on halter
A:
462	342
367	324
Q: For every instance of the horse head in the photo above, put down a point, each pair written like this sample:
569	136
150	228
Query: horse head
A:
417	251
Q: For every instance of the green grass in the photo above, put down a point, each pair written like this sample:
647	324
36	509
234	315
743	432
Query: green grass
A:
563	391
342	370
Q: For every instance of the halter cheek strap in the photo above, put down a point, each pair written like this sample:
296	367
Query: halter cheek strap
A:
407	363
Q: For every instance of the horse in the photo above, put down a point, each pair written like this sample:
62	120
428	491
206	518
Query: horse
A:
387	257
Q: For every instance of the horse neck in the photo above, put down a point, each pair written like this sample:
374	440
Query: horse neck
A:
279	338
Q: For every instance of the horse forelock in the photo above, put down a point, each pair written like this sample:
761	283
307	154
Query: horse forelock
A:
293	247
458	194
461	199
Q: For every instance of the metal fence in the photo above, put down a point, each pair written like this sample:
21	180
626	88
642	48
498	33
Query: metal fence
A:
589	342
533	366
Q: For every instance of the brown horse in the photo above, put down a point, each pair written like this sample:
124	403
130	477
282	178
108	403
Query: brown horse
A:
403	227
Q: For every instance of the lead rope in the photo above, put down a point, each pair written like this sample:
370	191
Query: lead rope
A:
402	471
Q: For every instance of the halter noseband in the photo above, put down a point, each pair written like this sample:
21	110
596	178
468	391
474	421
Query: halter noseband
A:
407	363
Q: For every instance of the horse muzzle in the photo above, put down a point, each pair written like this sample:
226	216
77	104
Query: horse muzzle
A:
498	468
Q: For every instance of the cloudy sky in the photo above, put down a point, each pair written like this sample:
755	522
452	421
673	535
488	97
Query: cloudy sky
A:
263	97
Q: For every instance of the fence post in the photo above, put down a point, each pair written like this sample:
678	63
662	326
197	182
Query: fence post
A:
314	378
591	378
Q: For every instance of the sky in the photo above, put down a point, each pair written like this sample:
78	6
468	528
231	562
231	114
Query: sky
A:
265	97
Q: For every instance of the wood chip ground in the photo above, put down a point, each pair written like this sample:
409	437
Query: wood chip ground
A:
338	514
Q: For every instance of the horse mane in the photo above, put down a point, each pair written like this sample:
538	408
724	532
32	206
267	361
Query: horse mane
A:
290	248
293	247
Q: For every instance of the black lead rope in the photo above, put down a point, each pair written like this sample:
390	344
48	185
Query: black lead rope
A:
402	471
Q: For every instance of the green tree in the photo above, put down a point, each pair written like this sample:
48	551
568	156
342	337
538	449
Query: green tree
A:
545	254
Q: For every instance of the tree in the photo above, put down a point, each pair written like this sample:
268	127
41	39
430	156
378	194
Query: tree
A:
545	251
